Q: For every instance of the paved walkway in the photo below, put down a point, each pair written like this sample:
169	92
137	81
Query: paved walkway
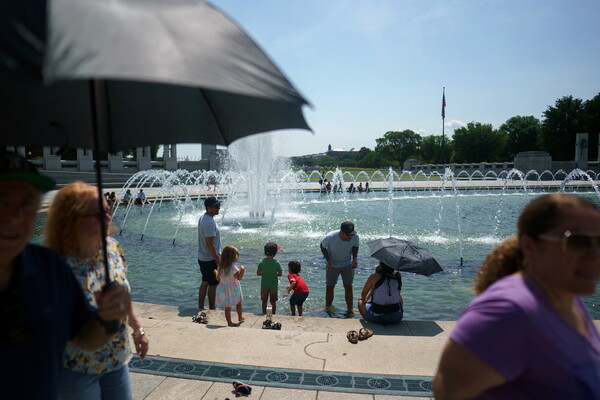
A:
309	358
397	362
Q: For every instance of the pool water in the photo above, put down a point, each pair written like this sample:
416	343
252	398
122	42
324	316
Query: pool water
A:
163	267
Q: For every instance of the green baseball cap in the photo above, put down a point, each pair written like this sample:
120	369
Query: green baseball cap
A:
14	166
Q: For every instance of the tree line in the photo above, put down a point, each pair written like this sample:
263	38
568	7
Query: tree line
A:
479	142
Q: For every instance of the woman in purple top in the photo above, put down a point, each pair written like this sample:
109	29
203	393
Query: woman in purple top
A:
527	335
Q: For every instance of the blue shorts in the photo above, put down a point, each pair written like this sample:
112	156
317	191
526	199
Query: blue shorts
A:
298	299
391	318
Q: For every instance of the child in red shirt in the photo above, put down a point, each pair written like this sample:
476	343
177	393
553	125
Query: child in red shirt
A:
298	285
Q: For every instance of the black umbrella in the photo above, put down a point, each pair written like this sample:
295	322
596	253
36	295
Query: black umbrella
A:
138	73
117	74
404	256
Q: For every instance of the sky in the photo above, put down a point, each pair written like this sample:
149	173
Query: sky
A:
372	66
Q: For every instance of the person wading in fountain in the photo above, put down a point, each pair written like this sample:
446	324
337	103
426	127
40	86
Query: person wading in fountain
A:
340	249
209	252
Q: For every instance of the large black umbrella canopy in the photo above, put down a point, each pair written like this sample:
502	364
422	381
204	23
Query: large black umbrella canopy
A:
404	255
116	74
140	73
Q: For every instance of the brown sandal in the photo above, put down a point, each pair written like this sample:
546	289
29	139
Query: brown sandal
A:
364	334
352	337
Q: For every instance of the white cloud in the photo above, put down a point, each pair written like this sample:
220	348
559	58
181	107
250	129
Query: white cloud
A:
455	124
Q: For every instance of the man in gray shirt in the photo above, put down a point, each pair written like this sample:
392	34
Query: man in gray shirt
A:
209	252
340	249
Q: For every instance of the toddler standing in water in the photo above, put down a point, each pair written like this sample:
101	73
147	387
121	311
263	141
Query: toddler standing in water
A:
299	287
229	291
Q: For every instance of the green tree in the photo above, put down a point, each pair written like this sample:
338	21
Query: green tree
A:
478	142
522	134
559	128
395	147
370	159
591	124
431	149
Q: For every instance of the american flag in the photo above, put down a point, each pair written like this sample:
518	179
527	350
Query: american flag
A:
444	104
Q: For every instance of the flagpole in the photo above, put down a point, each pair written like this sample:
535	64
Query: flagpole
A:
443	158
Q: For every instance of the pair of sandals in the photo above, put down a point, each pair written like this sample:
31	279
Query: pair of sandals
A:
241	389
200	318
268	324
362	334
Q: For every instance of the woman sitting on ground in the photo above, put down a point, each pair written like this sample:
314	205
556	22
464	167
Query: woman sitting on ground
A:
383	289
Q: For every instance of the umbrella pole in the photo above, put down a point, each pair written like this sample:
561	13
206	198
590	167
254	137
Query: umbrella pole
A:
97	98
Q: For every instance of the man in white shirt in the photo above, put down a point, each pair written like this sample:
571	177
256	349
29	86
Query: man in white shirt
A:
340	249
209	252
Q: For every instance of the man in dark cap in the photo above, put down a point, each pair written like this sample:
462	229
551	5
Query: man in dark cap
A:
340	249
209	252
41	303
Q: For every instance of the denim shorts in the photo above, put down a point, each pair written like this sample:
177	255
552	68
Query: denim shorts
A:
298	299
391	318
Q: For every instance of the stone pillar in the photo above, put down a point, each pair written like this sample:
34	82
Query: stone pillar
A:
539	161
581	150
170	156
599	148
410	164
51	159
207	150
213	159
143	158
85	160
17	149
115	162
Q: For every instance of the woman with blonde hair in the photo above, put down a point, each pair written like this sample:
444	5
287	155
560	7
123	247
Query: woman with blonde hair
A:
73	229
528	335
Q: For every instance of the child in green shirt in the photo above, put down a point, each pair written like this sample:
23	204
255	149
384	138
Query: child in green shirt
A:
269	269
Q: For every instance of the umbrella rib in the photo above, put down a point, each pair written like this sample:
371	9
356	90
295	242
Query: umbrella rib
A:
217	121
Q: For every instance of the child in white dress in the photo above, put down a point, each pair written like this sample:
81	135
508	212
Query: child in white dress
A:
229	291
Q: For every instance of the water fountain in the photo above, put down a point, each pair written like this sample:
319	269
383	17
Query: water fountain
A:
459	216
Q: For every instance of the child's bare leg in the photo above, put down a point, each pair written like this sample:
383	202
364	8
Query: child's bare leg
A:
300	310
273	306
293	309
228	316
238	308
264	307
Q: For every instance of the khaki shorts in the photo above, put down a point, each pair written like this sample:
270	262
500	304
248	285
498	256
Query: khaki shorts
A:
331	276
266	293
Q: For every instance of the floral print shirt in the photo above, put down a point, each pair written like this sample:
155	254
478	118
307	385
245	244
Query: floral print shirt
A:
116	353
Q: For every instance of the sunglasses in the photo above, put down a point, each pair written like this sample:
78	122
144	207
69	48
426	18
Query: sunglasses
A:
574	241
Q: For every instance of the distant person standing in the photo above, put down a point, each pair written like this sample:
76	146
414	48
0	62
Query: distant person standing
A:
340	249
269	269
209	252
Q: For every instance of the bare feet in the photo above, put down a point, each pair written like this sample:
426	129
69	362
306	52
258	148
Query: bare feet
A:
241	319
232	324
